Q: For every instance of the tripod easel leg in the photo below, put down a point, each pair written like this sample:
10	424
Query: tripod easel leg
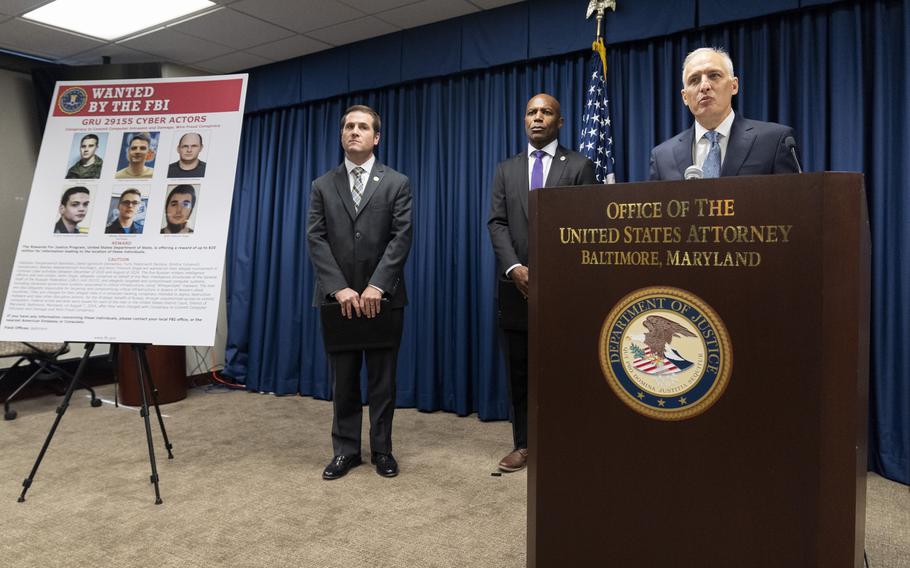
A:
60	412
114	349
148	373
140	357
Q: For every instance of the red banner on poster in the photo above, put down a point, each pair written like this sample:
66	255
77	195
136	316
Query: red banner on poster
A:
178	97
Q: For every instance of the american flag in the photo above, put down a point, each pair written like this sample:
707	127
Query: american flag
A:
596	132
654	365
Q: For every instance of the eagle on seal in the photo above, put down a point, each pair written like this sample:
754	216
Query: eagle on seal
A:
661	332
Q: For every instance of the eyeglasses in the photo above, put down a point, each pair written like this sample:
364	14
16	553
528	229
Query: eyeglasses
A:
130	203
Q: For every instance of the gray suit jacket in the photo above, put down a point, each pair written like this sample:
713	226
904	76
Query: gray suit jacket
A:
508	221
754	148
354	250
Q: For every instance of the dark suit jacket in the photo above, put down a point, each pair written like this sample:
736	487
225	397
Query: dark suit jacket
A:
508	221
115	228
353	250
754	148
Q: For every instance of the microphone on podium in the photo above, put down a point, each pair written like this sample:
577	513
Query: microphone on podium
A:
693	172
790	143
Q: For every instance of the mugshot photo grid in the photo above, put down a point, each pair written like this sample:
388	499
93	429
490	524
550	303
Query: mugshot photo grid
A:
136	155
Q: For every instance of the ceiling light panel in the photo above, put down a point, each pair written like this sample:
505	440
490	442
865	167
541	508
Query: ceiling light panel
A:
112	19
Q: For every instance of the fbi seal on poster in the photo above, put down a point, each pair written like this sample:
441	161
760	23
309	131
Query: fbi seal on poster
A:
72	100
665	353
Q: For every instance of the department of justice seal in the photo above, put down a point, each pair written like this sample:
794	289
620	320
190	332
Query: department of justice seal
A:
72	100
665	353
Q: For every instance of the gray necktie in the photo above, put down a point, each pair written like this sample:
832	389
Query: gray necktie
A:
711	167
357	192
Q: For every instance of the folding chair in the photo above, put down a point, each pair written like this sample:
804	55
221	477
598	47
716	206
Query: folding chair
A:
44	357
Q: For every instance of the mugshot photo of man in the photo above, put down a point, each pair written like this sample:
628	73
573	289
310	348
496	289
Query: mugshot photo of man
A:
139	151
89	164
128	207
74	207
189	165
178	208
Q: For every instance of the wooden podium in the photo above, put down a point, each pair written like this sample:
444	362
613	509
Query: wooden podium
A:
634	462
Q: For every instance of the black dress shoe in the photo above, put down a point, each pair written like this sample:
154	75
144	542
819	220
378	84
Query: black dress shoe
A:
340	466
386	465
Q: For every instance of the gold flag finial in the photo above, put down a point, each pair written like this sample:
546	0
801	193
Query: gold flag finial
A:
599	7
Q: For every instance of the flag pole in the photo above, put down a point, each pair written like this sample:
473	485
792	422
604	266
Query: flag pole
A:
596	138
598	8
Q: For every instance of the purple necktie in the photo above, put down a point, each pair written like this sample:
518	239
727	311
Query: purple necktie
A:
537	170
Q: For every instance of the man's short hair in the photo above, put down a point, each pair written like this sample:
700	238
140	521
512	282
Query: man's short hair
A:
88	137
179	142
728	63
65	198
377	122
130	190
144	136
182	188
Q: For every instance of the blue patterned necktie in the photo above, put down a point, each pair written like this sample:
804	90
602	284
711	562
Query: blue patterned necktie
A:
537	170
357	192
711	167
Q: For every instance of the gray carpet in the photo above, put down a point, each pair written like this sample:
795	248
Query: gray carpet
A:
245	491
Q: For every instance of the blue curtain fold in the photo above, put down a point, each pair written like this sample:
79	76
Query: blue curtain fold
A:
836	73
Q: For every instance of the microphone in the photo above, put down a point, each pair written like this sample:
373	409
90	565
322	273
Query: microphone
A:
790	143
693	172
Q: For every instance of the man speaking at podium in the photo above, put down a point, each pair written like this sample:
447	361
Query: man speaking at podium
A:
544	163
720	143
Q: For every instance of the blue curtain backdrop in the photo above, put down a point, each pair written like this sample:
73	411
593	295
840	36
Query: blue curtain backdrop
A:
838	74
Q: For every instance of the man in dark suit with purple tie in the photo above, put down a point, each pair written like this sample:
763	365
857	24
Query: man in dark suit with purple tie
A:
721	143
543	164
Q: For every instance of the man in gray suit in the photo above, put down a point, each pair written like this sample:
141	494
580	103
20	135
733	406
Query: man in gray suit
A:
543	164
721	143
359	236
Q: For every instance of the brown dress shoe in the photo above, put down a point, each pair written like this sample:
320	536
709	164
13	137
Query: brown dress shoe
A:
515	461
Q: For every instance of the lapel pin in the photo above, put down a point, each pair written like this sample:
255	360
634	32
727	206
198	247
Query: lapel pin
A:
562	158
375	178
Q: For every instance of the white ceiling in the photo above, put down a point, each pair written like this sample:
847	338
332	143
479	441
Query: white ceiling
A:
238	34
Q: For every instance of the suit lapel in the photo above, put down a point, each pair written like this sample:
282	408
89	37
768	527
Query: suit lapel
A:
519	182
343	188
682	152
372	183
557	167
738	147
